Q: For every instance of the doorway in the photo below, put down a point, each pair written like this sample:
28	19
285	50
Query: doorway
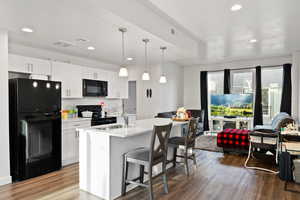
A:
130	103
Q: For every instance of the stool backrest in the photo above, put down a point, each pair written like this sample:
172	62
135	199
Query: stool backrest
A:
160	134
192	132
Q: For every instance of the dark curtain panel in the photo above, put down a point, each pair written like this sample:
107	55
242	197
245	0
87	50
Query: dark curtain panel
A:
226	81
258	114
286	99
204	98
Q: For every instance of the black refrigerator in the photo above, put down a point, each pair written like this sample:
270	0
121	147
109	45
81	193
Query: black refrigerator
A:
35	127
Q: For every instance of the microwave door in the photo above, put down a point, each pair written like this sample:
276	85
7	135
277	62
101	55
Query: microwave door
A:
90	88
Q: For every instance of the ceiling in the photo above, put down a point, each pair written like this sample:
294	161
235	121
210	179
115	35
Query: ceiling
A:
69	20
274	24
204	30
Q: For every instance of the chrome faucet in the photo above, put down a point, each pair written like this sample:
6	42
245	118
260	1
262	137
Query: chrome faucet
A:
126	120
124	115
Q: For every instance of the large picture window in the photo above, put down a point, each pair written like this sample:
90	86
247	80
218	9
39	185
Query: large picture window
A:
215	82
271	92
242	81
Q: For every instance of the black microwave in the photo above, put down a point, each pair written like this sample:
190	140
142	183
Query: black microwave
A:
93	88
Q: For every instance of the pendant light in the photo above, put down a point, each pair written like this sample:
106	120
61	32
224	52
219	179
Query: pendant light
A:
123	70
163	78
146	75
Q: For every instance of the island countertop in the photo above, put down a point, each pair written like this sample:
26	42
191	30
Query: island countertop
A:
140	127
101	154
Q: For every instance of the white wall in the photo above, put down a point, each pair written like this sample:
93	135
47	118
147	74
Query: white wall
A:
4	134
192	77
110	105
165	97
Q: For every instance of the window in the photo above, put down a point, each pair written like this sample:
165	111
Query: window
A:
215	83
242	81
271	92
215	86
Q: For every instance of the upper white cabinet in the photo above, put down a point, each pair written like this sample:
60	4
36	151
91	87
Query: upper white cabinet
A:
94	74
71	77
117	86
29	65
123	87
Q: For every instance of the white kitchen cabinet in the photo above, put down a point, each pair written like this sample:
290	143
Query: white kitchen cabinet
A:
123	87
112	86
71	77
70	140
23	64
94	74
117	86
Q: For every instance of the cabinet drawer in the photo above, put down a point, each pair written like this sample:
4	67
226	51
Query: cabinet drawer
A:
76	124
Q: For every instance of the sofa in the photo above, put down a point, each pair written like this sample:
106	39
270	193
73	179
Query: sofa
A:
279	121
194	112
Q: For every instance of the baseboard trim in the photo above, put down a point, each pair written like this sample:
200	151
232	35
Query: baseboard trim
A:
5	180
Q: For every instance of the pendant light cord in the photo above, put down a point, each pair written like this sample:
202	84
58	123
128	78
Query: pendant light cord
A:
162	60
146	58
123	49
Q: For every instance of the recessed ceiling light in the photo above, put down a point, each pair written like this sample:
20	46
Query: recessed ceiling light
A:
253	40
236	7
91	48
27	30
129	59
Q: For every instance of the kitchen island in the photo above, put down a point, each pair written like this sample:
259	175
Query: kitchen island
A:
101	150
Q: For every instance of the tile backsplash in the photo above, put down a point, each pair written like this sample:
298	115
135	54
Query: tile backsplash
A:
110	105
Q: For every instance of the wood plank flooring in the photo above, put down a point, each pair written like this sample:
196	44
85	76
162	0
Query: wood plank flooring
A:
216	177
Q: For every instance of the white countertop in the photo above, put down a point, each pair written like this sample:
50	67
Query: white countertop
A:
76	119
140	127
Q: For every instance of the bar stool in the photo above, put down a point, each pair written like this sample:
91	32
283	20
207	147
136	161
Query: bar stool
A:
188	141
145	157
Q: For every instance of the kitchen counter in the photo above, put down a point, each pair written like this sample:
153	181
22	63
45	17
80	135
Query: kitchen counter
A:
140	127
101	154
76	119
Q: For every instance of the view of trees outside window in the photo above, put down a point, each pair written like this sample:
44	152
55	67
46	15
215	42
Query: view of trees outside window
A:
271	92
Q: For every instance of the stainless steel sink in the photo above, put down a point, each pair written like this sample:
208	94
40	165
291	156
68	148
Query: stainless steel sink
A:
111	127
116	126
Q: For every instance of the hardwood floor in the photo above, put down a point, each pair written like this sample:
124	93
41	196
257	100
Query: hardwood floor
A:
216	177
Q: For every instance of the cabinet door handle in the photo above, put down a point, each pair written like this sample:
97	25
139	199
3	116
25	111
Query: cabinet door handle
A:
28	67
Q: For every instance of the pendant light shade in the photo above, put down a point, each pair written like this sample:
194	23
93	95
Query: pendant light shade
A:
123	70
146	75
163	78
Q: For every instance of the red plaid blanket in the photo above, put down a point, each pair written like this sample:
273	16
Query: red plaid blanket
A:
233	138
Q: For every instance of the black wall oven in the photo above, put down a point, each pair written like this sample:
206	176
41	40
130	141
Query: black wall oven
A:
35	127
93	88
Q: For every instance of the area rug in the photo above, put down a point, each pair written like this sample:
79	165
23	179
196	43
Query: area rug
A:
207	143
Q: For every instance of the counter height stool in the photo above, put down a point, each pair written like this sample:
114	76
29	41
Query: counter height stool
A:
188	141
145	157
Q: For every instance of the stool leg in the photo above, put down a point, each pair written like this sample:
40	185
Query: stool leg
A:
186	162
142	171
174	156
194	158
165	180
125	175
150	183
